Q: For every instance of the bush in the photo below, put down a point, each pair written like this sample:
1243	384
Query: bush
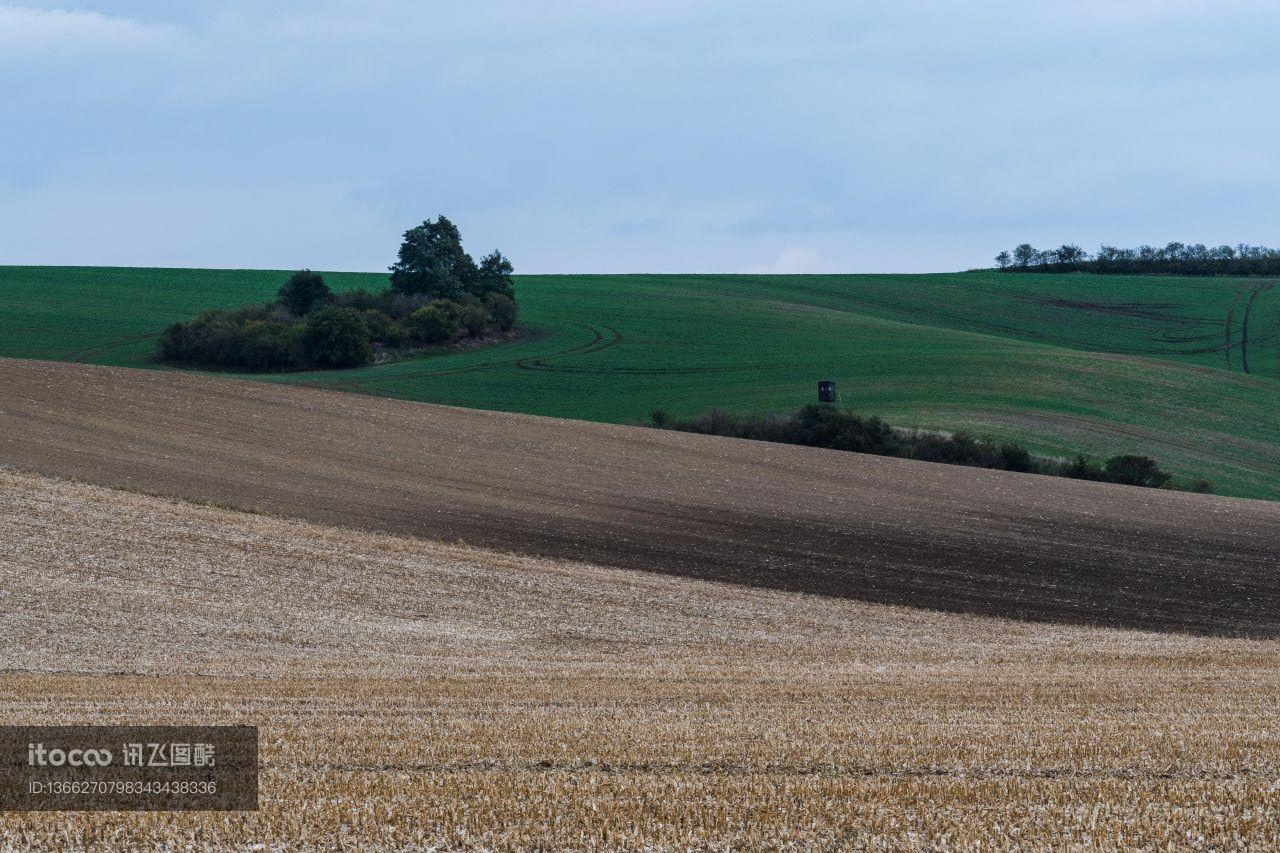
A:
1015	457
826	426
304	292
432	324
436	292
502	310
247	339
263	345
382	329
1082	469
337	337
473	318
361	300
1137	471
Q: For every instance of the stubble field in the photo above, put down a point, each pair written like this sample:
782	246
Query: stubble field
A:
415	693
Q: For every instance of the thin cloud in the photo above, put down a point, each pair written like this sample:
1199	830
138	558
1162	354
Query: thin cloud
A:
27	30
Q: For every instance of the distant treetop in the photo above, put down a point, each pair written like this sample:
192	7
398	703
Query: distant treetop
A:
1173	259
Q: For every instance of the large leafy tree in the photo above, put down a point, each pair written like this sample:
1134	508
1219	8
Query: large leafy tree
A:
432	262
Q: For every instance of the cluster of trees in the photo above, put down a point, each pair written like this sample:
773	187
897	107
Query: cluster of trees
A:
437	294
1173	259
825	426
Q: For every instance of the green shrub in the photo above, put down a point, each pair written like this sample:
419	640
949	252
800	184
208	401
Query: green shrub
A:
245	339
473	318
304	292
502	310
383	329
826	426
263	345
337	337
436	291
1137	471
361	300
1081	468
452	310
432	324
1014	457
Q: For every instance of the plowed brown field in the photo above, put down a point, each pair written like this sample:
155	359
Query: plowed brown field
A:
840	524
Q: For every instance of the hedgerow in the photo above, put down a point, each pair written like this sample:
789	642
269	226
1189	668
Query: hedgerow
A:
826	426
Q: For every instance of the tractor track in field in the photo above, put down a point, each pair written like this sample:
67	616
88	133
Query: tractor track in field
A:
602	338
1244	324
1231	315
1254	292
598	342
84	355
822	522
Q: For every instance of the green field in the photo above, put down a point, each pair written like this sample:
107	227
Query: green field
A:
1064	363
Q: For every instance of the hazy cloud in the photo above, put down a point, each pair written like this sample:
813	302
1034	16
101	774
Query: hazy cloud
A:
26	30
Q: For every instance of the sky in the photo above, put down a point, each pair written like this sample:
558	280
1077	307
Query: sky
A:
633	135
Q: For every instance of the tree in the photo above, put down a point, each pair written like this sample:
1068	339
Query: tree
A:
304	291
495	275
431	261
337	337
1070	253
1004	260
1024	255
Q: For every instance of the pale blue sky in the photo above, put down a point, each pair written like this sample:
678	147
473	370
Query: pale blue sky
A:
633	136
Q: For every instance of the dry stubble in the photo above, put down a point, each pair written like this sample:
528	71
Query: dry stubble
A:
413	693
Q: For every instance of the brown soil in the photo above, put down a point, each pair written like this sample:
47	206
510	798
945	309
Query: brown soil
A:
839	524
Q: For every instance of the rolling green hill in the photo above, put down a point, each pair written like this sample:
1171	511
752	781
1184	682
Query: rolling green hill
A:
1098	364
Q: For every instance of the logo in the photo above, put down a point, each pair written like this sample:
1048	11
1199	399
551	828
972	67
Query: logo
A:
39	756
